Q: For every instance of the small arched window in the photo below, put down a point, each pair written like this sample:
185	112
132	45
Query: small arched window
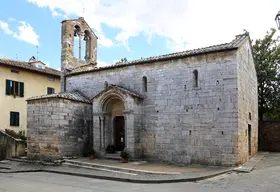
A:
105	84
195	78
250	116
144	81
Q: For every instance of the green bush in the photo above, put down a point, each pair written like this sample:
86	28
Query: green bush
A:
125	155
88	152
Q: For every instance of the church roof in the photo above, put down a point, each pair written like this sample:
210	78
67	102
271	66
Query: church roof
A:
29	66
121	89
233	45
74	96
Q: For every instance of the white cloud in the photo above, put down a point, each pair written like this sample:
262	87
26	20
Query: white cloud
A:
102	64
5	27
104	41
24	32
185	23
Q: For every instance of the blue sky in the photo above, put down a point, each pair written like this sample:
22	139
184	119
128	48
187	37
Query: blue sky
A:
131	29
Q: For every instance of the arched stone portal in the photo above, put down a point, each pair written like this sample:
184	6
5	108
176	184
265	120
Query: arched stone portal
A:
117	120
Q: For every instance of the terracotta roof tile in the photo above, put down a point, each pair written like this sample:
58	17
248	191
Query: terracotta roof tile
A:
234	44
75	96
29	66
122	89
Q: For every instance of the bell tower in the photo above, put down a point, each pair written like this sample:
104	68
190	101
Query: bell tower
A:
71	29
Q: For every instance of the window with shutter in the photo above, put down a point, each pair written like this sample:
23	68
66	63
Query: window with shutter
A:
17	119
14	88
21	89
8	87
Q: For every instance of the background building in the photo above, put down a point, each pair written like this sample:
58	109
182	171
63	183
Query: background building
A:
18	81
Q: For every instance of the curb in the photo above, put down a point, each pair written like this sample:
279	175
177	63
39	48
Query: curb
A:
250	168
115	168
22	171
129	180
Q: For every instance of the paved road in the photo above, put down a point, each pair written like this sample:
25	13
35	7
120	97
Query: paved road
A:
266	177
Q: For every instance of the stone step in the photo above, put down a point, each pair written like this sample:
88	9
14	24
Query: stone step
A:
100	167
112	156
5	164
5	167
116	156
96	168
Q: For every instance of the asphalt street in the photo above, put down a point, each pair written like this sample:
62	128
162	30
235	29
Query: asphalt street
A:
266	177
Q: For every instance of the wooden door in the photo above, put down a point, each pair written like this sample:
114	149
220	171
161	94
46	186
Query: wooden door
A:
119	133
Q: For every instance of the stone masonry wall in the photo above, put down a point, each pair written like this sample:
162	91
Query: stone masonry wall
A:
247	102
57	127
180	123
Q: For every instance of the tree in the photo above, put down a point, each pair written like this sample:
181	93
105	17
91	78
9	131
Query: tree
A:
267	61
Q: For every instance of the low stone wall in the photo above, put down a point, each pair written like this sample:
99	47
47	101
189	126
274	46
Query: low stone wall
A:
57	127
269	136
11	147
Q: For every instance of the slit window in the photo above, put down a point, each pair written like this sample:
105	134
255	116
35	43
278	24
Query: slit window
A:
145	86
195	78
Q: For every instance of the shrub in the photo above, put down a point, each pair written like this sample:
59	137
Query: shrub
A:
19	135
88	152
124	155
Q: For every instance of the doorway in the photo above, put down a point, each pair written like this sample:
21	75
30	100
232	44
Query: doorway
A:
119	133
249	139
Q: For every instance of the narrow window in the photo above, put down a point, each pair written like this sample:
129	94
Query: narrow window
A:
14	71
50	90
105	84
250	116
14	118
195	78
145	88
50	78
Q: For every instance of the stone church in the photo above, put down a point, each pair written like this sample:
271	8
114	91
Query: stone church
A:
195	106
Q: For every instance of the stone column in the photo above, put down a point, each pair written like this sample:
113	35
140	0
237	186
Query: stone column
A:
102	135
96	133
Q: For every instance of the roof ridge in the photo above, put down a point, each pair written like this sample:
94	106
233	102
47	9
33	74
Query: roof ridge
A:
233	44
8	59
80	94
188	50
121	88
75	95
28	66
